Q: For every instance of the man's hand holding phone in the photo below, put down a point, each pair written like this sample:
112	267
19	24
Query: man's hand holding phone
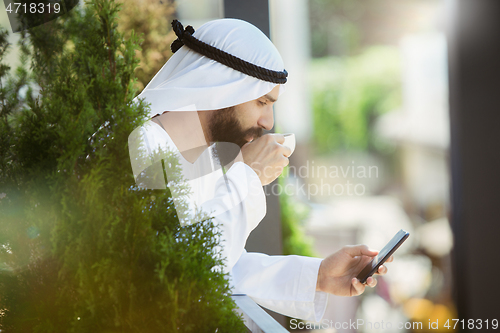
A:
337	273
346	272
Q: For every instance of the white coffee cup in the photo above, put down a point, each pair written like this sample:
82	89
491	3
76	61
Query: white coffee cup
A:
289	141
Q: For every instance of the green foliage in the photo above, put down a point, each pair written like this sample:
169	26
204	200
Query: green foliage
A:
293	216
82	248
151	19
349	93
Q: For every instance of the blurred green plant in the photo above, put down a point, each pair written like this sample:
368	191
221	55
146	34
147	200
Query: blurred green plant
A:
151	20
82	248
294	214
349	93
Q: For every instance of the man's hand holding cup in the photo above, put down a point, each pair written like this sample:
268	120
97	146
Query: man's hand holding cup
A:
268	155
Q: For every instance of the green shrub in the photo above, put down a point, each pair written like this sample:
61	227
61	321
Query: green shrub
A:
82	248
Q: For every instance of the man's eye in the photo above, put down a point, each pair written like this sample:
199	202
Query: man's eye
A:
262	103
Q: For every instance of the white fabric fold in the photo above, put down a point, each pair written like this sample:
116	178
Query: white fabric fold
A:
241	186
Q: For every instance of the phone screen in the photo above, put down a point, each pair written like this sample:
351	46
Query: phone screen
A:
383	255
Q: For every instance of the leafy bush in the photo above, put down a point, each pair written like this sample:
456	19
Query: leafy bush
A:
82	248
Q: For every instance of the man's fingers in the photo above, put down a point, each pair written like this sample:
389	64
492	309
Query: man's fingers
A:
358	286
371	282
381	270
287	152
391	258
358	250
280	138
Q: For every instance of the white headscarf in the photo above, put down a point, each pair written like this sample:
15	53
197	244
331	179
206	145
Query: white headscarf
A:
190	81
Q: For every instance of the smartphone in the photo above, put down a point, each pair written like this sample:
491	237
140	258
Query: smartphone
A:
383	255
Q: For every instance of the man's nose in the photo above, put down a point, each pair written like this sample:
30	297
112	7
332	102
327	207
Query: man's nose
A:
266	120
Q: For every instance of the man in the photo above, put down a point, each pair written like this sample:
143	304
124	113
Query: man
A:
219	87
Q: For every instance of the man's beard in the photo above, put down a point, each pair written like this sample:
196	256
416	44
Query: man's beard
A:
226	131
225	127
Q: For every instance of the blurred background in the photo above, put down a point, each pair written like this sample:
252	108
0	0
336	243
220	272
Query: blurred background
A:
368	101
370	78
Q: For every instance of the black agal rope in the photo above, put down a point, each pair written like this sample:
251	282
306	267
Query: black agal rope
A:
185	37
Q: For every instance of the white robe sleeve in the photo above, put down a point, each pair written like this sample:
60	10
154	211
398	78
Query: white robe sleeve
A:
285	284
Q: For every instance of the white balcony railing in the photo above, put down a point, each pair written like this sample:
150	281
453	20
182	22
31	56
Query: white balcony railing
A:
256	319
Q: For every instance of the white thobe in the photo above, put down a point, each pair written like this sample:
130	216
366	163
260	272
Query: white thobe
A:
237	202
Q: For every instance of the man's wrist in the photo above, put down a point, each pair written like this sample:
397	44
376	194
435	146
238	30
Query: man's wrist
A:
319	280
